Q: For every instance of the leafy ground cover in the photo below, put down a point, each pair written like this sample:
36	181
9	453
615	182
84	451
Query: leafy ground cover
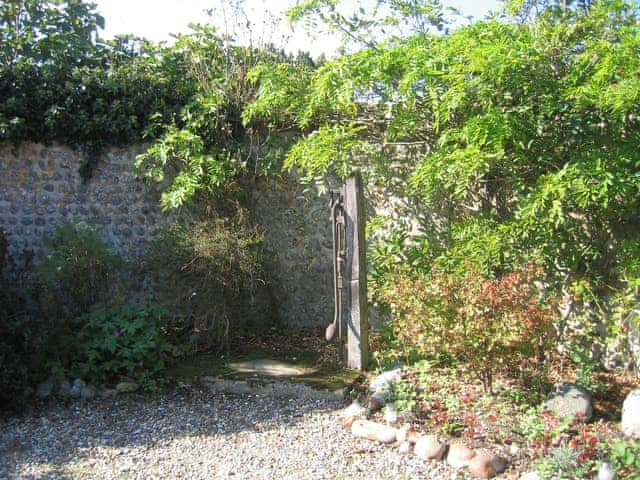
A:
440	397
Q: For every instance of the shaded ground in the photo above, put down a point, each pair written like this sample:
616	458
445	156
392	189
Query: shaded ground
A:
187	431
303	349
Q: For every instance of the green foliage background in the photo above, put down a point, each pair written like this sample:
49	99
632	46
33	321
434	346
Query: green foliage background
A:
523	128
528	121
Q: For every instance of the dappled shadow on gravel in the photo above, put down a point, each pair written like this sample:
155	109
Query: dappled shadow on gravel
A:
113	438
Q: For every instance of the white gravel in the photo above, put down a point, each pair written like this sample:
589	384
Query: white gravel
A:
192	433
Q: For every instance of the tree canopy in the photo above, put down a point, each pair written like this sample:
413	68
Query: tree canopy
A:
528	123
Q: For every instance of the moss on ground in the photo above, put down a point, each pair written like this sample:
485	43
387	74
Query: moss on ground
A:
320	375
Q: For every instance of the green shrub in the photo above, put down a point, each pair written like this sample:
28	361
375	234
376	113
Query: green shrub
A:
625	456
489	324
563	462
77	273
18	337
121	340
207	273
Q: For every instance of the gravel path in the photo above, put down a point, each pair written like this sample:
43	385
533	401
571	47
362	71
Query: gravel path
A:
191	433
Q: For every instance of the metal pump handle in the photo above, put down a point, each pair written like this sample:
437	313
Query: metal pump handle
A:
339	254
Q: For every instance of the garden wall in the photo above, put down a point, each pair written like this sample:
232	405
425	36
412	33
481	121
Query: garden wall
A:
40	188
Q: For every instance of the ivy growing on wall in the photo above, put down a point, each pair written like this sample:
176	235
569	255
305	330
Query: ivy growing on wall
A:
60	82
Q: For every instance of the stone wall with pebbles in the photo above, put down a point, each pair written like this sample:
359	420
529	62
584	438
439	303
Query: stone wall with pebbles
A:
40	188
297	232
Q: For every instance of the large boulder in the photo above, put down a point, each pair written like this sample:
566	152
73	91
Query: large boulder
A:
631	414
569	400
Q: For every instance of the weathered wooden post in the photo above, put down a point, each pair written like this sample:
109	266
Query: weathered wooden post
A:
357	305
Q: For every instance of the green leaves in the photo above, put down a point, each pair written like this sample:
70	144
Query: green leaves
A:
530	130
626	458
121	340
330	148
47	32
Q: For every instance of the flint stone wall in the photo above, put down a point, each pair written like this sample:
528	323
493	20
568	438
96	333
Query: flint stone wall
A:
40	188
297	239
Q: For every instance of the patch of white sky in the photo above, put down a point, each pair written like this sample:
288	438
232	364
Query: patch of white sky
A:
157	20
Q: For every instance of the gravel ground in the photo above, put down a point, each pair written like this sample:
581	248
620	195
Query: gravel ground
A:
192	433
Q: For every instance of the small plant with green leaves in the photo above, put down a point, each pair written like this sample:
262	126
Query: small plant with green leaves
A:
522	397
562	462
625	456
585	376
586	369
120	341
404	396
77	272
543	429
571	456
563	452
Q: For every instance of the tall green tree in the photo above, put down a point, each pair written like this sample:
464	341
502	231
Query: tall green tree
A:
528	123
50	31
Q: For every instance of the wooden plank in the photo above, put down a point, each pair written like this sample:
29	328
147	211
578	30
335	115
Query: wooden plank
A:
357	305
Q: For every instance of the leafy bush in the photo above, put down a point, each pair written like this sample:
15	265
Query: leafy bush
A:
207	272
208	146
625	456
121	340
571	456
77	273
489	324
19	338
528	123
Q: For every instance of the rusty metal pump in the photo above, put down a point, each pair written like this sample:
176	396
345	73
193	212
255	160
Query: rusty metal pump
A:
338	227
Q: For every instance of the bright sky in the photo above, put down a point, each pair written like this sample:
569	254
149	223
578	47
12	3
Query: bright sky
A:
157	19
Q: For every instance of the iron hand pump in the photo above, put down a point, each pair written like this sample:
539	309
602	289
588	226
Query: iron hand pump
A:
350	319
338	233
